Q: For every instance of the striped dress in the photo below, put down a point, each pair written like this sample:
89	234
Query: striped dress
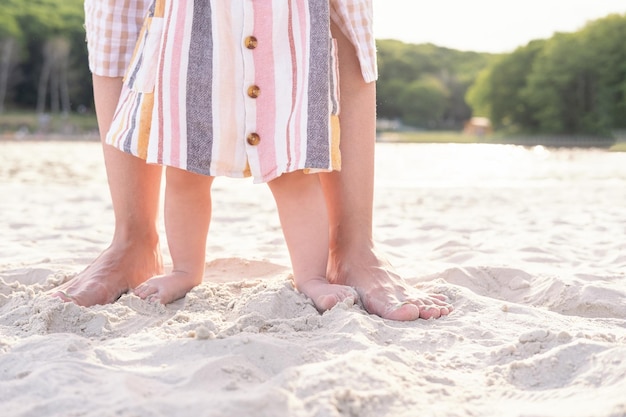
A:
233	88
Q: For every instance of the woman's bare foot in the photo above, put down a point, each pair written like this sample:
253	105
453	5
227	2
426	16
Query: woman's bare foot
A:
381	290
118	269
325	295
169	287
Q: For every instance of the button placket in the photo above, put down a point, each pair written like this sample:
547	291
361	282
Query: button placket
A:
252	91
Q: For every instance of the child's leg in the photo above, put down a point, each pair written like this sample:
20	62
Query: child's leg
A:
187	218
304	220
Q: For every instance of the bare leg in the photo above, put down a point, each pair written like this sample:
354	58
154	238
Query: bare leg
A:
134	254
187	217
349	194
304	221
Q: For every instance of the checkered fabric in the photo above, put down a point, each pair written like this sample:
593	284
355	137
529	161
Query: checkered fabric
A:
355	19
113	27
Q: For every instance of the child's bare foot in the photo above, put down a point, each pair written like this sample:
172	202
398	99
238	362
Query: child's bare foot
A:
381	290
118	269
325	295
168	288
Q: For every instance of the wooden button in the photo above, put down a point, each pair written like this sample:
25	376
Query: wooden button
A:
254	91
253	139
251	42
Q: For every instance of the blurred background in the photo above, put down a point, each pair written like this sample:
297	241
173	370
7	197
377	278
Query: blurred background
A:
457	71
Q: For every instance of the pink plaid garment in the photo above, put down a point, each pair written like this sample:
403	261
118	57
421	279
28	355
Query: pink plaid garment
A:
355	19
113	27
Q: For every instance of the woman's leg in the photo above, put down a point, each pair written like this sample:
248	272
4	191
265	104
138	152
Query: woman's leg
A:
134	254
349	194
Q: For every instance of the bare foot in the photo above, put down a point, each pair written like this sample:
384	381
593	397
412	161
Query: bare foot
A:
113	273
381	290
169	287
325	295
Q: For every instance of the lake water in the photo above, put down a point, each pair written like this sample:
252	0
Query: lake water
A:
481	165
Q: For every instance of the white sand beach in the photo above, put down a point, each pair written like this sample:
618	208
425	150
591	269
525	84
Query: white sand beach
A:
529	244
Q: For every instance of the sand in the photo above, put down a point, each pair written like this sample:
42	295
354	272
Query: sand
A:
528	244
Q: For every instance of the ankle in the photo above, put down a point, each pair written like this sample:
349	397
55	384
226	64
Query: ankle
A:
188	277
344	244
132	238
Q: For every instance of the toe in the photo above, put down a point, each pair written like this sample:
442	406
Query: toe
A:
63	296
145	291
326	302
443	305
439	299
435	311
430	312
403	312
154	298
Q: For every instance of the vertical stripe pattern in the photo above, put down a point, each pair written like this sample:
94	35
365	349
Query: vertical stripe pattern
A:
199	92
197	89
318	92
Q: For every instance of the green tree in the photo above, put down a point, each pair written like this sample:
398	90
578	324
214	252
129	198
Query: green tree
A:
10	36
498	90
408	70
562	85
423	102
605	42
572	83
37	22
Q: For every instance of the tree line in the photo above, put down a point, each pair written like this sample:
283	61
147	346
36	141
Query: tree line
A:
572	83
425	85
43	56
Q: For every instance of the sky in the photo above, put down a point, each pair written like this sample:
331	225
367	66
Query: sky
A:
485	25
